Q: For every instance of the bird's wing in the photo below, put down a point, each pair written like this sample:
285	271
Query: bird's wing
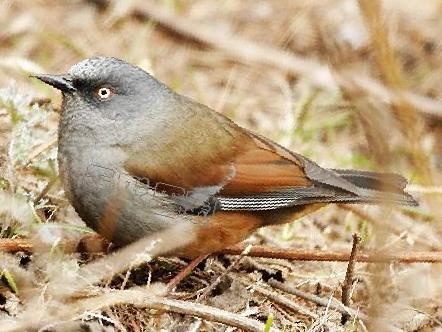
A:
242	170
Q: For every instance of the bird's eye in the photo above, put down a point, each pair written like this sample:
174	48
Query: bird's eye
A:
104	93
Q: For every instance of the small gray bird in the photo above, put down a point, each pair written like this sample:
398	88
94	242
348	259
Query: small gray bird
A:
136	159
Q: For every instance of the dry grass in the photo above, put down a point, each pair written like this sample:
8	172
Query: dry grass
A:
347	83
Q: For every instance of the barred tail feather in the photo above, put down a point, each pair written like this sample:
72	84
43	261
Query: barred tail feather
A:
378	187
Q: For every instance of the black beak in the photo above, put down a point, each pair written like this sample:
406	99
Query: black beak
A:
61	82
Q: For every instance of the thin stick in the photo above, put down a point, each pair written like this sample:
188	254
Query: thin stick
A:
336	256
15	245
323	302
292	305
348	281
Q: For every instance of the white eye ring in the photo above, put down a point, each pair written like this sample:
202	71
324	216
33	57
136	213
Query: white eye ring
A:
104	93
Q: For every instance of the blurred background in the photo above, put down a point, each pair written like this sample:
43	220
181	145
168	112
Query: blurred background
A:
350	84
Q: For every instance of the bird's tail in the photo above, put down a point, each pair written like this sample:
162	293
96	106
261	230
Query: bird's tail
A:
377	187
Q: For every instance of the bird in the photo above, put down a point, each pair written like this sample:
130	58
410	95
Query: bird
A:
137	159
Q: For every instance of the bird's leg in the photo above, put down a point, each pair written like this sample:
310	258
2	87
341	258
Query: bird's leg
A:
184	272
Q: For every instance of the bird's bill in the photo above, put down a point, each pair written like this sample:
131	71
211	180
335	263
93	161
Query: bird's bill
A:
61	82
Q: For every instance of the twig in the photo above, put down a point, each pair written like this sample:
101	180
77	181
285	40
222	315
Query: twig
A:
280	299
285	302
336	256
222	275
348	281
247	51
15	245
335	305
